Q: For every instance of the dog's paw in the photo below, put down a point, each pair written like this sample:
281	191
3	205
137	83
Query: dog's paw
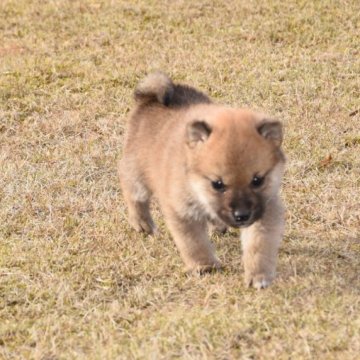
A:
143	225
205	269
258	281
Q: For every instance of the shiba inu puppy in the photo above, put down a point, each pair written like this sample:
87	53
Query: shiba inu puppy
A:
204	163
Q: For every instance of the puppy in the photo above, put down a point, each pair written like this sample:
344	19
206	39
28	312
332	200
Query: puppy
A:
204	163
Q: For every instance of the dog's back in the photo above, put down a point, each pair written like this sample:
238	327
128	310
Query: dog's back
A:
159	115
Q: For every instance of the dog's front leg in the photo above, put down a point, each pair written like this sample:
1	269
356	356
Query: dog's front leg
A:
260	243
193	242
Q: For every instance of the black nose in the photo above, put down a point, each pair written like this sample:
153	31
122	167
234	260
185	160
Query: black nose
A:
241	216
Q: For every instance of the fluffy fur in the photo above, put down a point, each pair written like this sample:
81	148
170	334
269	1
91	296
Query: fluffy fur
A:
204	163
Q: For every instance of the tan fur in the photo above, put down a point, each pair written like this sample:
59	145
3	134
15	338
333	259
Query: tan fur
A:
179	143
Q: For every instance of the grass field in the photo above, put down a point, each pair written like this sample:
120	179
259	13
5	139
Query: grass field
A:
75	281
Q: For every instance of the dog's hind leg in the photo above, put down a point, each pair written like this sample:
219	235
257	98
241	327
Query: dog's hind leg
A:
137	197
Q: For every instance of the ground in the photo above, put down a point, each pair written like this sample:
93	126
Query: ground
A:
76	282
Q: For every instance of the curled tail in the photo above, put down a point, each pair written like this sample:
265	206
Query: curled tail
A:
156	87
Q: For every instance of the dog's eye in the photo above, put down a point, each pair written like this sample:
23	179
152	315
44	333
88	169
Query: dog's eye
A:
218	185
257	181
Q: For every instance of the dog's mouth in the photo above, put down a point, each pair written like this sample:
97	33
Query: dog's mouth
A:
229	220
239	224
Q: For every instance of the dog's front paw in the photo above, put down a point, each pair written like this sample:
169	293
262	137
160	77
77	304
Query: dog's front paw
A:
143	225
205	268
258	281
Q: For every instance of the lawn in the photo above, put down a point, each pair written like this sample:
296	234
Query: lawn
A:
76	282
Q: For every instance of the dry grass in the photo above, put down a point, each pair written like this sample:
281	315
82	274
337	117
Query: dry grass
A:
75	280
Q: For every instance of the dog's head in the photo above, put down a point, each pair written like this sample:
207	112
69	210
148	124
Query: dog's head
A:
234	162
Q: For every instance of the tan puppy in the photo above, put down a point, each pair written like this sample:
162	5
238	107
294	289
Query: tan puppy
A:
204	163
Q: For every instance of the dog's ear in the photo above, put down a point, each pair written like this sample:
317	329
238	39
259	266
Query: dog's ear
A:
197	131
271	130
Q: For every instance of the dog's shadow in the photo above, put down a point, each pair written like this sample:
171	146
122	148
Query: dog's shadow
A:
322	262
